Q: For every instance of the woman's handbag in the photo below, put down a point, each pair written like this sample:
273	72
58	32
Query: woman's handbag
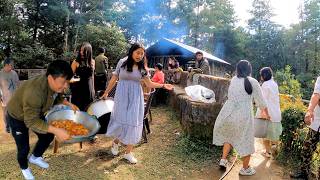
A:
260	127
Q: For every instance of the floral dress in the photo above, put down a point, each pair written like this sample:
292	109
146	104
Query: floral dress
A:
234	124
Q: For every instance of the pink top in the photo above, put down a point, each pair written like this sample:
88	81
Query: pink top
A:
158	77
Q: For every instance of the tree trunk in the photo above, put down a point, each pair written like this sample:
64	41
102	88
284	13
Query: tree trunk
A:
316	43
76	39
66	33
35	28
77	29
7	50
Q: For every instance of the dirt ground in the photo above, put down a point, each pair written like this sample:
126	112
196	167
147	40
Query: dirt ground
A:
158	159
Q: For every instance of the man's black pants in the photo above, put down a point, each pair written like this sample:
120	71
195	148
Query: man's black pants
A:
100	82
20	134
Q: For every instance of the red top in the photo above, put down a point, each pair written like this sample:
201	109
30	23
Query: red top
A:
158	77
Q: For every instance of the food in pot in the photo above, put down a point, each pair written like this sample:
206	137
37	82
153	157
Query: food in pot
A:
73	128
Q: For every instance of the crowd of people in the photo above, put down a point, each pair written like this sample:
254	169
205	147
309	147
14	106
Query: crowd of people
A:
33	98
25	105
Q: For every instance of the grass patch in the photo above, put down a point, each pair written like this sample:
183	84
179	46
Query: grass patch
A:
196	150
172	155
168	155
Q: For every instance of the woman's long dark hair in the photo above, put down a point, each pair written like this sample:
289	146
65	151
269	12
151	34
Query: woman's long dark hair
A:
87	55
176	62
244	70
266	73
130	61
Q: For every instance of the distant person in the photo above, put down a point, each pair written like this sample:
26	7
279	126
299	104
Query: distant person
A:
174	74
83	66
234	125
9	81
173	63
101	66
202	65
158	76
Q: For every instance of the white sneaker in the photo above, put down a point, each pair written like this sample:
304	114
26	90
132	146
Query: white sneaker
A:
223	163
27	174
115	149
130	158
247	172
38	161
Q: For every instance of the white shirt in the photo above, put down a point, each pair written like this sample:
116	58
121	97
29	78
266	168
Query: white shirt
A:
316	121
270	93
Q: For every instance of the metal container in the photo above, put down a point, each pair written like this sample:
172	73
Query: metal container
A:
100	107
89	122
102	110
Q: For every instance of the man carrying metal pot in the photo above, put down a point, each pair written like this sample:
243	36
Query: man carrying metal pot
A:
26	111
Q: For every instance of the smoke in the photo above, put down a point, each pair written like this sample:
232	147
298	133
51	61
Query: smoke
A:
219	49
151	20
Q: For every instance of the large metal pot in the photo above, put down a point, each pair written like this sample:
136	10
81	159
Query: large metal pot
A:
89	122
102	110
100	107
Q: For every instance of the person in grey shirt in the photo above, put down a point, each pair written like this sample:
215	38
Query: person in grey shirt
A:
9	81
201	67
101	66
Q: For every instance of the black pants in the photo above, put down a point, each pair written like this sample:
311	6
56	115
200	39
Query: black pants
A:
160	97
100	82
20	134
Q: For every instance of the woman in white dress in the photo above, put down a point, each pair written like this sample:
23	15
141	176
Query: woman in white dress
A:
270	93
234	124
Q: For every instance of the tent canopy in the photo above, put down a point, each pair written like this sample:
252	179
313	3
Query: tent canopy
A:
167	47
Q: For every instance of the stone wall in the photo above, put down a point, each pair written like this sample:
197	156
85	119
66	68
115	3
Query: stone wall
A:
25	74
196	118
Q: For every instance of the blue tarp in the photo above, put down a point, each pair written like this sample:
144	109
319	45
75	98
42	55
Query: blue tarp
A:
167	47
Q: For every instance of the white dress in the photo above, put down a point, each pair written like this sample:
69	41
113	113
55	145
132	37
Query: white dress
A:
126	121
270	93
234	124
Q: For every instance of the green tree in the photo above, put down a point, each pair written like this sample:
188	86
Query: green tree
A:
287	82
217	24
10	25
266	44
36	56
312	33
109	37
